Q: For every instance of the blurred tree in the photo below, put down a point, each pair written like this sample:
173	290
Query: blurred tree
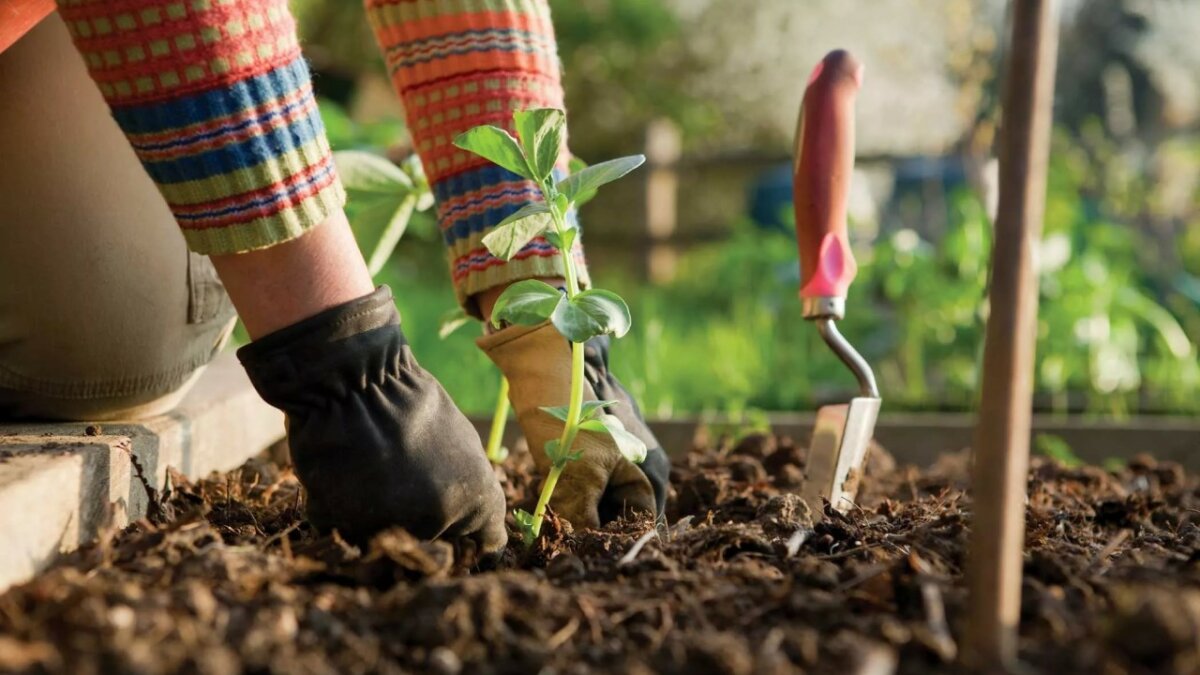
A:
623	65
1136	62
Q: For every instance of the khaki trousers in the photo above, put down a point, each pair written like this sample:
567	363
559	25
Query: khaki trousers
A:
103	311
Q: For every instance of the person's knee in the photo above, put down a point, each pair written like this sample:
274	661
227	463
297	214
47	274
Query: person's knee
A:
101	305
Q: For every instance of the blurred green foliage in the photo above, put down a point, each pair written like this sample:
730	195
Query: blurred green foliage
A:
1118	306
726	335
622	61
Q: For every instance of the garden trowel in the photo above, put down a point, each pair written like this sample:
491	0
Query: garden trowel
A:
821	187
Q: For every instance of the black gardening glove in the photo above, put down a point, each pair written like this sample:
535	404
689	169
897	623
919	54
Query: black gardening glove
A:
607	388
375	439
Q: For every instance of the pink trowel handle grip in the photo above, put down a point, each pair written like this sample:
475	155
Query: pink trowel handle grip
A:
821	176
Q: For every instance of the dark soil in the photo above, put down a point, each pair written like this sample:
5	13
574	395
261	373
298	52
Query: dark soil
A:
227	577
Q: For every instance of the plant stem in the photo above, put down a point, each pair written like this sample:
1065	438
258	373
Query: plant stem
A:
575	406
391	235
499	420
571	428
569	273
539	513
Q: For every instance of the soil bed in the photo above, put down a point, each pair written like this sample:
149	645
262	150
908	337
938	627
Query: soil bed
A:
226	577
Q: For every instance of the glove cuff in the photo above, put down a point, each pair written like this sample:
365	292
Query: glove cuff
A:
335	347
537	362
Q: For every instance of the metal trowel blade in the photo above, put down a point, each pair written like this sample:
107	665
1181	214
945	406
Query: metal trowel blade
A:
838	453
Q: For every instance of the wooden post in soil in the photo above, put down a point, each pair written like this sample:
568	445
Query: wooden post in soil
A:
664	146
1001	461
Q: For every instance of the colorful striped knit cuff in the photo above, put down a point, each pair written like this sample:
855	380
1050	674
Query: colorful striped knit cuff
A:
458	64
470	205
216	101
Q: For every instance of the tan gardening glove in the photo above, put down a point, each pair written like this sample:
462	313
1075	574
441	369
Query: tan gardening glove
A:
601	483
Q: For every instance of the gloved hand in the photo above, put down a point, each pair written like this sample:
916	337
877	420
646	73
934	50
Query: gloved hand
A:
601	485
375	439
607	387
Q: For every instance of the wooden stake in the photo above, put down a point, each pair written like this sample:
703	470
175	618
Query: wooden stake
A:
1002	434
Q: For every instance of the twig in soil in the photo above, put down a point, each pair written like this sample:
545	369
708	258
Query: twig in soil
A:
665	627
1100	561
637	547
563	634
797	540
681	526
589	613
871	573
848	552
282	534
935	610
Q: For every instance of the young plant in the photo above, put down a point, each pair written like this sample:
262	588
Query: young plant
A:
496	453
577	314
381	200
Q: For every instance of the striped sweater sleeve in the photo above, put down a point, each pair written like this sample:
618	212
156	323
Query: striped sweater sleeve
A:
216	101
457	64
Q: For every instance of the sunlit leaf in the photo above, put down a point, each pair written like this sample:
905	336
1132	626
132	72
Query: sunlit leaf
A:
586	411
517	230
590	408
574	166
416	171
562	242
527	303
525	525
592	313
630	446
451	321
540	132
591	178
368	176
497	146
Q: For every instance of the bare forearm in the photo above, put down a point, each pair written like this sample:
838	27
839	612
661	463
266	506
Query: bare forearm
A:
278	286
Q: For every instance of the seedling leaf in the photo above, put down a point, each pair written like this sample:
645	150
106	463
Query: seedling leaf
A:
540	133
378	224
575	165
587	411
525	525
451	321
575	324
558	412
497	146
631	447
366	175
527	303
588	180
590	408
412	166
517	230
591	313
563	242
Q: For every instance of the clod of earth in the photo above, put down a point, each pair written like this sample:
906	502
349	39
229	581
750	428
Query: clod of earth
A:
229	578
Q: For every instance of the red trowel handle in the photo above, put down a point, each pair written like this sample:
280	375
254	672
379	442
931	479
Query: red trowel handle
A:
821	183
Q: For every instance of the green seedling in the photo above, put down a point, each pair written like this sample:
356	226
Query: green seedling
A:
382	198
496	453
1057	449
577	314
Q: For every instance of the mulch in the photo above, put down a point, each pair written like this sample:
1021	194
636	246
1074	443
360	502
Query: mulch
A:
225	576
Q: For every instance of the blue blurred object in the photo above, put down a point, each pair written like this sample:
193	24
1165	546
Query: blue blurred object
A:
771	199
